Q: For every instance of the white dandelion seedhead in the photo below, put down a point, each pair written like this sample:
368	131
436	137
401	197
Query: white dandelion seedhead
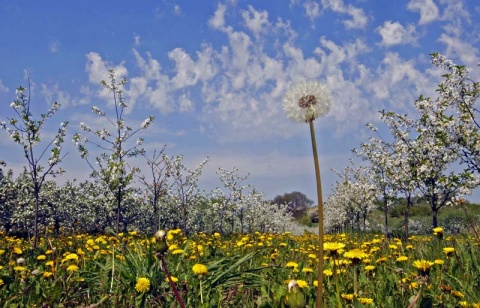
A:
306	101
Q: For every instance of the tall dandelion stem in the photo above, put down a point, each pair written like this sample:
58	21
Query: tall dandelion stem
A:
320	217
304	102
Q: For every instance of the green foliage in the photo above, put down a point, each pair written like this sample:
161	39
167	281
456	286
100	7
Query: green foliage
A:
242	271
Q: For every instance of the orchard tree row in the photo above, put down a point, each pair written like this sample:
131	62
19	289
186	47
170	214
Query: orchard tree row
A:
119	196
433	154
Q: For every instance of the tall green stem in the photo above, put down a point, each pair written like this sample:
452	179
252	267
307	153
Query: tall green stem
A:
319	301
337	284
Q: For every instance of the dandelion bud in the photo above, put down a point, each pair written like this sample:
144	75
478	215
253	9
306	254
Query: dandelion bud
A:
161	244
294	298
160	235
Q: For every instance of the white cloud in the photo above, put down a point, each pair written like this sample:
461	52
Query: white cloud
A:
312	10
3	88
185	104
189	72
54	94
256	21
456	47
456	16
400	83
97	69
427	8
217	21
359	19
393	33
177	10
137	40
53	45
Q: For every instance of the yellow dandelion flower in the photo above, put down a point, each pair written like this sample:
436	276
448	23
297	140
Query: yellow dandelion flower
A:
1	282
402	258
72	268
173	247
439	262
381	260
365	300
17	250
355	254
49	263
333	247
347	297
177	252
41	257
438	230
19	268
47	274
369	268
423	266
307	270
174	279
200	269
327	273
291	264
448	250
143	285
72	256
302	283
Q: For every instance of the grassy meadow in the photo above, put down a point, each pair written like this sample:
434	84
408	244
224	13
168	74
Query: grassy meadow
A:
255	270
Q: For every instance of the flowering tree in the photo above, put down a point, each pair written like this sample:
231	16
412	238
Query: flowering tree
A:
185	196
113	169
459	92
392	166
157	185
230	202
356	195
425	154
25	130
8	196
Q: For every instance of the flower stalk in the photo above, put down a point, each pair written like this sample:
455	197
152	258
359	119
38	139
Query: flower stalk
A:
305	102
320	217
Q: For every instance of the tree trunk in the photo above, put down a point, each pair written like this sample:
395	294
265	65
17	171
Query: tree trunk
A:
385	213
35	226
407	212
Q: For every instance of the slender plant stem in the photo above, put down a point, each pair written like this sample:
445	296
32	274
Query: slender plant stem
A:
172	284
319	301
337	284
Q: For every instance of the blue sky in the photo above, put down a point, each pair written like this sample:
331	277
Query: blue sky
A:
214	73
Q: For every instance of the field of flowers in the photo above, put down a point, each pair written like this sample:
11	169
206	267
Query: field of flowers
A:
254	270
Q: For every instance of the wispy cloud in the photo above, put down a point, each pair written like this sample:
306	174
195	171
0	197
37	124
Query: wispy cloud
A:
358	17
428	10
393	33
